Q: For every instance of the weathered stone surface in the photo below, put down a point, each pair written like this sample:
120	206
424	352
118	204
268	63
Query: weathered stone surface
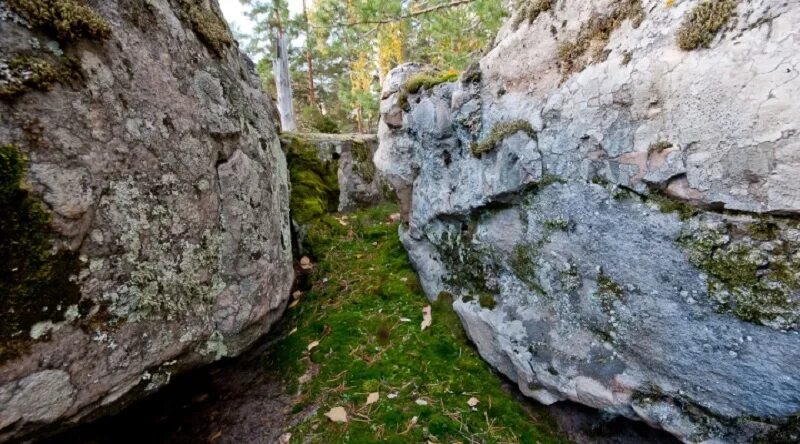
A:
159	164
574	271
360	184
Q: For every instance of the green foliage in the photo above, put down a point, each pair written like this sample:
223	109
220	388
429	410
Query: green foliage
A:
499	133
595	34
363	287
315	183
703	23
35	282
342	37
64	19
209	27
312	119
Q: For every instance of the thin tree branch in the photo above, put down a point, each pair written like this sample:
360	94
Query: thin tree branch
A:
428	10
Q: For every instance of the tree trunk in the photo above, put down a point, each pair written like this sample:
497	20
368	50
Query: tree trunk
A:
283	85
312	97
283	82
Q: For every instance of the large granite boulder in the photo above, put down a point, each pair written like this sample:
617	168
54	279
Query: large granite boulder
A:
611	198
145	221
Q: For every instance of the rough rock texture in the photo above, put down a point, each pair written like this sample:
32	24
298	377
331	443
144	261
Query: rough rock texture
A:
639	250
151	149
360	184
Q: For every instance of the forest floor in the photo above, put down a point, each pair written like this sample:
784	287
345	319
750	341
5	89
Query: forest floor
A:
350	362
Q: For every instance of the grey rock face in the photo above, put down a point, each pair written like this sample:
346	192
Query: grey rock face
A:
594	261
360	184
161	168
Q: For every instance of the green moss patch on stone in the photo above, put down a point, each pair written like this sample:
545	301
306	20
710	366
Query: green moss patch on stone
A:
209	27
35	279
64	19
363	289
486	300
362	161
24	74
423	80
575	55
315	182
703	22
668	204
499	133
756	280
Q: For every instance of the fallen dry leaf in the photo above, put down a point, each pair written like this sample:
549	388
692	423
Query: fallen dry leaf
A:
391	395
373	397
285	438
394	217
294	303
312	345
294	330
305	263
426	317
473	402
337	414
297	294
421	402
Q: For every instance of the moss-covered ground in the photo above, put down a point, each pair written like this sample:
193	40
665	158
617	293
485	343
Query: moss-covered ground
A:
362	306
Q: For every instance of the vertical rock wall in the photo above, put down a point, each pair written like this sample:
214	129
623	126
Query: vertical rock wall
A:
146	210
611	196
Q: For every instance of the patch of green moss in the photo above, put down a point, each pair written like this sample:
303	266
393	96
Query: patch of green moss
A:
754	284
209	27
703	23
362	161
607	285
667	204
487	301
423	80
523	264
64	19
364	286
595	33
315	183
26	74
658	147
529	10
499	133
35	279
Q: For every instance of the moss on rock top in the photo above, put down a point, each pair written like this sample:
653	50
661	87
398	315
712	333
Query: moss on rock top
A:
209	27
64	19
704	22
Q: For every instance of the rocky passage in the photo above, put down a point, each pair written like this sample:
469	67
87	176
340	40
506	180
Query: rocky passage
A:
361	308
145	223
610	198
